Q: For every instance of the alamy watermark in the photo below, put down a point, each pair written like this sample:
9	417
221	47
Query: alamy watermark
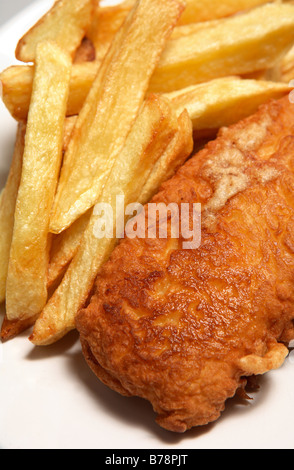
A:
153	221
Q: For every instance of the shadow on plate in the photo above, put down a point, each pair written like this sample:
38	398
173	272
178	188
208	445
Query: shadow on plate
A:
135	411
138	412
59	348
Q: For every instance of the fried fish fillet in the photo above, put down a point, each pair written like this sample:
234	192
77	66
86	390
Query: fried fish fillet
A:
185	328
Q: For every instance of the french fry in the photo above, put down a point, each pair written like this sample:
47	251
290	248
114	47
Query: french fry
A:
175	155
154	128
69	125
288	60
193	28
16	87
100	132
26	287
272	74
211	105
17	84
206	10
66	244
7	207
287	67
213	51
108	20
288	76
65	24
224	101
64	247
11	329
17	98
17	80
267	34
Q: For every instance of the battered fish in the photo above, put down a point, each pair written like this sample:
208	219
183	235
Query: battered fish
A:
184	328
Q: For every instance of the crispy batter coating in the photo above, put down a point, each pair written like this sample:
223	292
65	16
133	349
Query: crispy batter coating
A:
182	328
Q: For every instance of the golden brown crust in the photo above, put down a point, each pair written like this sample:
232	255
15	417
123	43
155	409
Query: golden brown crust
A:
175	326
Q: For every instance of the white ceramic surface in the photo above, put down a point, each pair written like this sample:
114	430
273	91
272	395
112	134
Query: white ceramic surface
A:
49	398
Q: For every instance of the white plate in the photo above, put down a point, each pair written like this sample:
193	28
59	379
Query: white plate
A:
49	398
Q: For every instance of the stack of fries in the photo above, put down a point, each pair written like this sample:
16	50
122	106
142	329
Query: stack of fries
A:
110	101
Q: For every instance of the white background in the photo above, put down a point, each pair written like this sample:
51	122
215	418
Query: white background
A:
9	8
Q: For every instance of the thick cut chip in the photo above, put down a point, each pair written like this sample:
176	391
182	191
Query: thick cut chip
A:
66	244
287	67
11	329
245	43
7	207
175	155
65	24
69	125
192	28
206	10
214	51
16	87
17	84
152	132
108	20
64	247
111	108
224	101
26	288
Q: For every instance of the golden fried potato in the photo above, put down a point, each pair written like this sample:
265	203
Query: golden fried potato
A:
17	83
267	34
65	24
287	67
206	10
152	132
7	207
224	101
108	20
11	329
175	155
66	244
64	247
100	132
26	287
214	51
